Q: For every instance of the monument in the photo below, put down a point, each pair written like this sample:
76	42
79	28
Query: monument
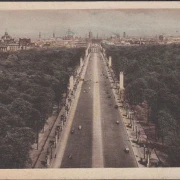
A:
71	83
121	86
110	62
81	62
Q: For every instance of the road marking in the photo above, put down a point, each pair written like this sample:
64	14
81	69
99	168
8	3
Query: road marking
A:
97	151
56	163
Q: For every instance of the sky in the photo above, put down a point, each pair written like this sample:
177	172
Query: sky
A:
28	23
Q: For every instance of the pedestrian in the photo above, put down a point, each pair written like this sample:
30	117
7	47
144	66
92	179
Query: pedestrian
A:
55	156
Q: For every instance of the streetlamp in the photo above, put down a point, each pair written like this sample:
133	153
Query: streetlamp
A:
55	142
144	150
37	133
133	122
139	136
126	109
130	118
51	150
136	132
51	146
58	129
148	157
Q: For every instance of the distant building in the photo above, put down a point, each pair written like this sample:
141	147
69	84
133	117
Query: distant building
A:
69	35
10	47
24	41
3	48
115	37
81	43
6	38
46	45
8	43
124	34
161	37
39	35
14	47
90	35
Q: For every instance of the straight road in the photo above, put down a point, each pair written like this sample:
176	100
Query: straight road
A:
101	142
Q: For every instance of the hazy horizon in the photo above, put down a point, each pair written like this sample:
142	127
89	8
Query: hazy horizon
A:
28	23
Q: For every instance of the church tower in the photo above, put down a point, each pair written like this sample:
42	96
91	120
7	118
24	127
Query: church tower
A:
39	35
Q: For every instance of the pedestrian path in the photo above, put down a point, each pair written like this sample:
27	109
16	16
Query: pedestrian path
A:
35	153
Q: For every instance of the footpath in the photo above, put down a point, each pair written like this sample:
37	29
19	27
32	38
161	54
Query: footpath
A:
54	130
144	155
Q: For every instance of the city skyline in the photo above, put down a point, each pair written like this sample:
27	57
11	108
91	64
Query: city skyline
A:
103	22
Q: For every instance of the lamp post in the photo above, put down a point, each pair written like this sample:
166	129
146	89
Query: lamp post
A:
148	157
144	150
56	134
47	159
37	134
133	122
139	135
136	132
51	146
130	117
58	129
51	150
126	109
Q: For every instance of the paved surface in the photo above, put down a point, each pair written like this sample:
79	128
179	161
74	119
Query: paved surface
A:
68	140
138	150
100	142
114	135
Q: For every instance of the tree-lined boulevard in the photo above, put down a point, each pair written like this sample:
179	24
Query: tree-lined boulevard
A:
91	108
101	141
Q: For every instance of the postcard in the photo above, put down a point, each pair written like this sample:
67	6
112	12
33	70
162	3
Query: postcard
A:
89	90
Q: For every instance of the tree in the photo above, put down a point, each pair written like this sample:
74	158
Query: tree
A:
4	120
167	124
14	148
30	83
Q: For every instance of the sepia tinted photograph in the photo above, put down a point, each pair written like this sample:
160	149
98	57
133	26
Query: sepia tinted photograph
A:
89	88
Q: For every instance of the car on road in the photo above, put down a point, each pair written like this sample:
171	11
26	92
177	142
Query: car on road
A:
72	131
126	149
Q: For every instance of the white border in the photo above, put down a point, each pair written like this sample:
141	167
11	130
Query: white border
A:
89	5
105	173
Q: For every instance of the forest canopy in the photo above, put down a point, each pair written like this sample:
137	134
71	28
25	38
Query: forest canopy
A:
152	75
31	82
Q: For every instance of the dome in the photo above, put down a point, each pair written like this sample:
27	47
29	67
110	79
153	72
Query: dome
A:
70	33
6	37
